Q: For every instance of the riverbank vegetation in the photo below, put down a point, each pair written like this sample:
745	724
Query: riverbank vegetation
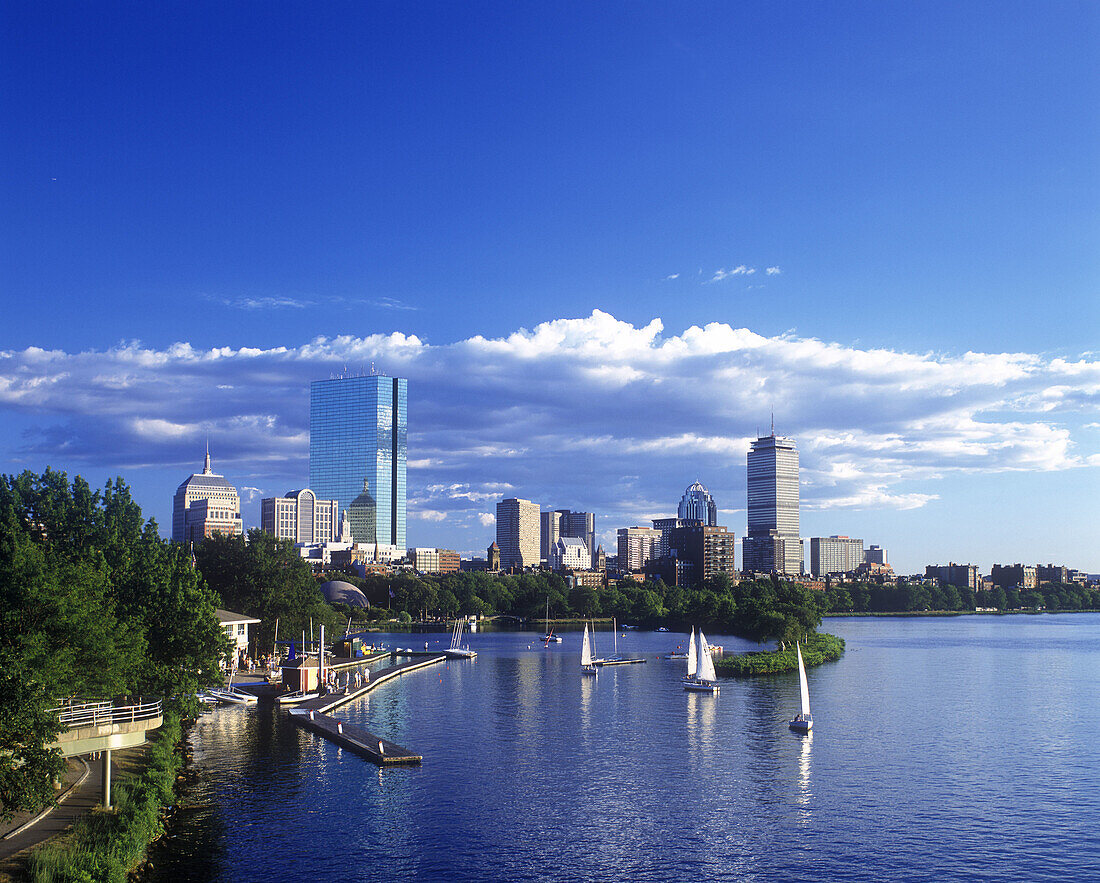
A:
94	605
106	846
760	610
916	597
816	649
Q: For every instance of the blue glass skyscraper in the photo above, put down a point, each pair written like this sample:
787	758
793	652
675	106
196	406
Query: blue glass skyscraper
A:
358	445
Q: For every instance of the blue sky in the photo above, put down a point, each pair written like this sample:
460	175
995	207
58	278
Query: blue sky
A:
558	221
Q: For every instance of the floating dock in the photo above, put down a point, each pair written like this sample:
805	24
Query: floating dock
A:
605	662
313	715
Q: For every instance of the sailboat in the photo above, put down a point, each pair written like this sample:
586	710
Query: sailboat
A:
550	638
805	721
588	664
457	650
692	659
701	676
231	695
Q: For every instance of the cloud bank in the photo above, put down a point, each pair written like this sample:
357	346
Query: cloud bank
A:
591	413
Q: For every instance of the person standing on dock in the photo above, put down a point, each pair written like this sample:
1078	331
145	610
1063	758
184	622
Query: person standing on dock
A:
381	747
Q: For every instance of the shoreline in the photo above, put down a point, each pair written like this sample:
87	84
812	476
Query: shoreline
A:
948	613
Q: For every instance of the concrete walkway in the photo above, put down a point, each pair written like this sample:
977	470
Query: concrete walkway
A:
15	849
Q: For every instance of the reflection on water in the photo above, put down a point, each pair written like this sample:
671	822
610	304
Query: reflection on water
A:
804	792
529	777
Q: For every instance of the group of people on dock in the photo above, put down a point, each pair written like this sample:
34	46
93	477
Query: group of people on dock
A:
337	682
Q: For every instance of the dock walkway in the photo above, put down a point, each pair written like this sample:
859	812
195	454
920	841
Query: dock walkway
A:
313	715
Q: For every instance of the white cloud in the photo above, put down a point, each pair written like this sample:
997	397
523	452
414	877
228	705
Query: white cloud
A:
773	271
588	413
723	273
671	276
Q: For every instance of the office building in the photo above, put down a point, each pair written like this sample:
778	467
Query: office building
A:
773	544
698	505
636	546
835	554
301	518
205	504
666	526
518	533
875	555
570	553
358	447
434	560
564	523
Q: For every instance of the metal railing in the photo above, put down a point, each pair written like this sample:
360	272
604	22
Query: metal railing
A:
100	714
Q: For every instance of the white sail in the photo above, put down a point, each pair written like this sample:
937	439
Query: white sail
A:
803	686
693	662
706	660
586	648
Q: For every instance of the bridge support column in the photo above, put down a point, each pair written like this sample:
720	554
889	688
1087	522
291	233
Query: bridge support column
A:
106	754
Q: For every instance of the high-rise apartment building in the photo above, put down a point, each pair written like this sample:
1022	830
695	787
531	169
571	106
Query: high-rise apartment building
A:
636	546
301	518
358	447
698	505
963	576
772	544
205	504
1010	576
835	554
518	533
710	548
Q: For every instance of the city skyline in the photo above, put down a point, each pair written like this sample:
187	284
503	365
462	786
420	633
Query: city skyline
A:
603	243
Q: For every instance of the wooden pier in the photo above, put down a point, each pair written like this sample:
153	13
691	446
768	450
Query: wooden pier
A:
604	662
313	715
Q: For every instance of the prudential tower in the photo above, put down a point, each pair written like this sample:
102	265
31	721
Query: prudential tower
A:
772	544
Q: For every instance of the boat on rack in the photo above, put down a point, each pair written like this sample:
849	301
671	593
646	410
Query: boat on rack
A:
701	675
233	696
298	697
804	722
457	650
588	664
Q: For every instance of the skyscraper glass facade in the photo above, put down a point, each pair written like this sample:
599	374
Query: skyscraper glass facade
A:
358	432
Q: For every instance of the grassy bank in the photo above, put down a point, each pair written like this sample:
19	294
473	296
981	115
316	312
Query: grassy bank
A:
107	845
818	649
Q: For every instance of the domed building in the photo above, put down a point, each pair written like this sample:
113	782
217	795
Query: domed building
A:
336	591
698	505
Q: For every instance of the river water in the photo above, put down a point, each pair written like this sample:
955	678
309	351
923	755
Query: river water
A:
943	749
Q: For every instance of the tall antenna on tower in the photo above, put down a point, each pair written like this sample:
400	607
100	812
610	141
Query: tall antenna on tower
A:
773	424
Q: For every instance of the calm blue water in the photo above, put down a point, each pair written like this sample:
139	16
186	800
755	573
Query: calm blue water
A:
943	749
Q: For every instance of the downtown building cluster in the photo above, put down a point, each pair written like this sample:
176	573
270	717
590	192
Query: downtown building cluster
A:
353	515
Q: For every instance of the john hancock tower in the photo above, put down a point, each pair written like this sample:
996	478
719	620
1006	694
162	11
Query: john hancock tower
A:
358	444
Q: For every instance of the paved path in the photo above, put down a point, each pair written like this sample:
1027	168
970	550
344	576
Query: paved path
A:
14	850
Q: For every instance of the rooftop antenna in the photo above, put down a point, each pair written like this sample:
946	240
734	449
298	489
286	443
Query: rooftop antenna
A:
372	371
773	424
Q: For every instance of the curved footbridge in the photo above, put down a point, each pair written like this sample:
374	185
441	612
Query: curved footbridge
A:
313	715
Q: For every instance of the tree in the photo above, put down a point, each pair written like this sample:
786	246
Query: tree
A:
264	577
